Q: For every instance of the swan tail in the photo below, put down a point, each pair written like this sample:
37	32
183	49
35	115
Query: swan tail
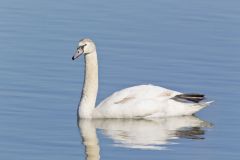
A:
189	97
205	103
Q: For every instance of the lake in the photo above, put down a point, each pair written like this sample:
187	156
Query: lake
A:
188	46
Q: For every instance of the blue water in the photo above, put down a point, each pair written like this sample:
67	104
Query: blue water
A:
189	46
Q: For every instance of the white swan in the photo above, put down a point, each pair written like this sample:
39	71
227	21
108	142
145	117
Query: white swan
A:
143	101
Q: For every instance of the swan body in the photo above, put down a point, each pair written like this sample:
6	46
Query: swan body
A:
143	101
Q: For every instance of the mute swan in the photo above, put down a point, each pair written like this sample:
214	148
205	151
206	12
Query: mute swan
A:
143	101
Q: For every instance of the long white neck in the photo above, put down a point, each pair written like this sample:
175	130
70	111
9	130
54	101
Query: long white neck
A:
90	86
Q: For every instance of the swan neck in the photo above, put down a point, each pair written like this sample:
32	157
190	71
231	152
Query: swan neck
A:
90	86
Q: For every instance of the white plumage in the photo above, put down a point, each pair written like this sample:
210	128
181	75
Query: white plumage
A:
146	101
143	101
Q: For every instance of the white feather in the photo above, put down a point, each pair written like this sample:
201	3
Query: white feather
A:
144	101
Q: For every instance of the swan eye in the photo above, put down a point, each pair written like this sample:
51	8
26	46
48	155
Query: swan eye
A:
82	47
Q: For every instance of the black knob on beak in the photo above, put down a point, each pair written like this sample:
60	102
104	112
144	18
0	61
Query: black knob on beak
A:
73	58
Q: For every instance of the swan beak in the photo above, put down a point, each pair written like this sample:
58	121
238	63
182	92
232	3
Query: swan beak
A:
78	53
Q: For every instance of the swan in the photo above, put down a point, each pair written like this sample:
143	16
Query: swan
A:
142	101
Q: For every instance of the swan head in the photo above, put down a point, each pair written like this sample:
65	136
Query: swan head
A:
85	46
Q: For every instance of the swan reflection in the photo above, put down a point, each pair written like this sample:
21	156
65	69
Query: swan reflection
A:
148	134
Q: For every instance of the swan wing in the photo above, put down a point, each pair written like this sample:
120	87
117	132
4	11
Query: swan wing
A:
136	101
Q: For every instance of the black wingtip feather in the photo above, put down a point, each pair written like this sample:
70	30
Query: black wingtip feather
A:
193	97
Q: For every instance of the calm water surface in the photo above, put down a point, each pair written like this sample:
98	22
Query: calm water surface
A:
190	46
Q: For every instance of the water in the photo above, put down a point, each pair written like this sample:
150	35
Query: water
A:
190	46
